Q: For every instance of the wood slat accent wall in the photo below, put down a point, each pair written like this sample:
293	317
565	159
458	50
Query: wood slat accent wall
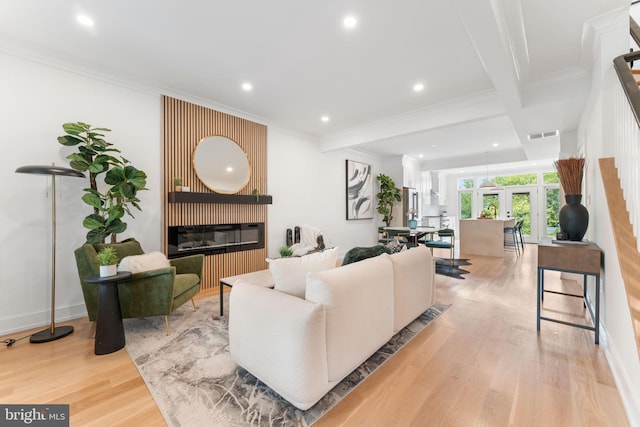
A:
184	125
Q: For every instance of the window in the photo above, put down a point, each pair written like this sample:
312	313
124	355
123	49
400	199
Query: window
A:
550	178
552	201
465	183
465	198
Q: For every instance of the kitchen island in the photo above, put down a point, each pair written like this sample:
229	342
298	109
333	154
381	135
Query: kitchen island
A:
483	236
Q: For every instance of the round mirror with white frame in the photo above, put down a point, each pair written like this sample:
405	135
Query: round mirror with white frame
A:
221	164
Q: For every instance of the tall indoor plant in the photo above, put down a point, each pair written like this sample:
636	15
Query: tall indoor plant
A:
114	183
388	195
573	217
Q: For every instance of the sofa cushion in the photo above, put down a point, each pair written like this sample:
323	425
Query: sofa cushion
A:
413	284
358	301
359	253
144	262
290	273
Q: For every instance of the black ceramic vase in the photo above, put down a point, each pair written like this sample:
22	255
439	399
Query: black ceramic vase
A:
574	218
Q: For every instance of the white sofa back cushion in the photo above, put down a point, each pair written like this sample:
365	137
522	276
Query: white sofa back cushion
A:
413	278
358	301
290	274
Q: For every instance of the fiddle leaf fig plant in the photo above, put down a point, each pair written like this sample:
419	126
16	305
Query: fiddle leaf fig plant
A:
114	182
388	195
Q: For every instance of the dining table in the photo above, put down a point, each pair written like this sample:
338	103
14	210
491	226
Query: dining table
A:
412	234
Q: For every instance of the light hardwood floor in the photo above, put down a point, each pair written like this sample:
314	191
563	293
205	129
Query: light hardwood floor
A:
482	363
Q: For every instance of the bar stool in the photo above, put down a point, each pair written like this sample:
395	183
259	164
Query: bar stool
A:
513	233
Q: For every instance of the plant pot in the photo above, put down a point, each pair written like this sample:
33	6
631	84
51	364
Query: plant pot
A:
178	188
108	270
413	224
573	218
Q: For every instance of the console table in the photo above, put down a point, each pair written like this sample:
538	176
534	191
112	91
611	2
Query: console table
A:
109	327
576	258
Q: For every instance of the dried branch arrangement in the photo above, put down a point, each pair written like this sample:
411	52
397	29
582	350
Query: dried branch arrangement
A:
570	172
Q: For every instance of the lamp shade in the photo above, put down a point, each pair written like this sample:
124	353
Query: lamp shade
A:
49	170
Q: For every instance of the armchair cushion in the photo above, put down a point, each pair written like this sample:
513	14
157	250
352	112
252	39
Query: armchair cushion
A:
144	262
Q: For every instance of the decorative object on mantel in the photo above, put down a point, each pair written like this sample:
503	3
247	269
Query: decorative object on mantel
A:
108	259
121	182
52	333
359	190
388	195
177	182
574	217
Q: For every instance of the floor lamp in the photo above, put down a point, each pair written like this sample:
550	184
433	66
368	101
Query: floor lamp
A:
52	333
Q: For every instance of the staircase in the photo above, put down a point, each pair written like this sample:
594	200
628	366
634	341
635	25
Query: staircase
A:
621	178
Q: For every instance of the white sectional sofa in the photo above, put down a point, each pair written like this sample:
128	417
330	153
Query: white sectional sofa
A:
302	348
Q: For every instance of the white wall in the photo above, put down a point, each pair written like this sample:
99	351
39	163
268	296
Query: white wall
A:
308	187
36	99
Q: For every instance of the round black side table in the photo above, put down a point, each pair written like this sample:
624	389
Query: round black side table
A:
109	328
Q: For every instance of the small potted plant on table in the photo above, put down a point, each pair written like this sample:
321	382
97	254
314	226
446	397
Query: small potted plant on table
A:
108	259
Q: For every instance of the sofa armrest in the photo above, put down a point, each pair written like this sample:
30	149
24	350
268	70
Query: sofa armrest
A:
189	264
280	339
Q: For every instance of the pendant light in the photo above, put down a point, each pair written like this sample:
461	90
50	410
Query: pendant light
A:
487	183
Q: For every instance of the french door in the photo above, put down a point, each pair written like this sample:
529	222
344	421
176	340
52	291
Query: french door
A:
522	203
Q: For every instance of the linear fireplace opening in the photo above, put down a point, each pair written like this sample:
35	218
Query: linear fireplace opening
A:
211	239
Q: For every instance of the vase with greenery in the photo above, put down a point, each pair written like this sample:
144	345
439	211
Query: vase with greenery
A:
286	251
388	196
113	182
108	259
573	217
177	183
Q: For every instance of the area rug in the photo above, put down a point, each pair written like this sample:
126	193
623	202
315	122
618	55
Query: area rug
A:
195	382
443	266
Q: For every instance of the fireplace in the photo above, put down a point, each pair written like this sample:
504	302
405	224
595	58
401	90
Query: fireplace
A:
215	239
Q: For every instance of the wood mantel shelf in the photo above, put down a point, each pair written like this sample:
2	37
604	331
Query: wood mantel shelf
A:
238	199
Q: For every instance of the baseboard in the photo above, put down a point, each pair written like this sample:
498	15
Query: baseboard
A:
40	319
630	400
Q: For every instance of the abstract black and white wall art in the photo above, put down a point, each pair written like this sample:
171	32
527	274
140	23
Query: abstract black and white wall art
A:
359	190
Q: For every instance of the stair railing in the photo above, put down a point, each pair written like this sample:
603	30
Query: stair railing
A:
627	141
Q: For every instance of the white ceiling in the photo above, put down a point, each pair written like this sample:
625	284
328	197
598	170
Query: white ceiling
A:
493	70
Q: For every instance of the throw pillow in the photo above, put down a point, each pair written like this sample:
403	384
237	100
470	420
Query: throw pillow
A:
290	274
145	262
396	246
359	253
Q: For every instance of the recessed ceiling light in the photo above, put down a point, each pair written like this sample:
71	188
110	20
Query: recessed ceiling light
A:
418	87
495	144
325	119
247	86
350	22
420	155
84	20
229	169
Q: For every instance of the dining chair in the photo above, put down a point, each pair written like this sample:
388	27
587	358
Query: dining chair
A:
446	241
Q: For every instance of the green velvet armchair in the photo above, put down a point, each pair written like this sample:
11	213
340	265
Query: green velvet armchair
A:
149	293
